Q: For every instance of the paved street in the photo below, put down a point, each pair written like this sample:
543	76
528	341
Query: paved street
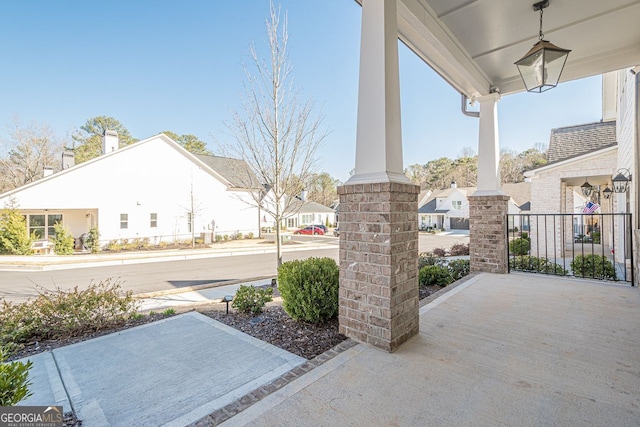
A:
152	277
165	275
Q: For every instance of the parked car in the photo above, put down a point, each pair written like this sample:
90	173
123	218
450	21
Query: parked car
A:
336	231
312	229
324	228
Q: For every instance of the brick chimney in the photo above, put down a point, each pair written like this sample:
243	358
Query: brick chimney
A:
109	141
454	184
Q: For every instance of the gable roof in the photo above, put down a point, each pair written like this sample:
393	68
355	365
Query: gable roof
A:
430	208
308	206
162	137
573	141
520	192
235	171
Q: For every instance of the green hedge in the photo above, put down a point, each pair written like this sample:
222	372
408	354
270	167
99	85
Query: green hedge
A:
520	246
536	265
594	266
309	289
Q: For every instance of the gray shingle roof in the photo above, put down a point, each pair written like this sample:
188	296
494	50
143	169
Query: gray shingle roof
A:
308	206
236	171
573	141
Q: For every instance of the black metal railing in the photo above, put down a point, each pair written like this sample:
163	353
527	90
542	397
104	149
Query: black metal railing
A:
595	246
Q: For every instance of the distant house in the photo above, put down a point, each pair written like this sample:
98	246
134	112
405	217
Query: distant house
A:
448	209
308	213
577	154
153	189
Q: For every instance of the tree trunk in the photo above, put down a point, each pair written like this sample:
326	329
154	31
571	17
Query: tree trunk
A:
278	244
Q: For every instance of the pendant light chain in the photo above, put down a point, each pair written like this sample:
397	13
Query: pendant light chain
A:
541	36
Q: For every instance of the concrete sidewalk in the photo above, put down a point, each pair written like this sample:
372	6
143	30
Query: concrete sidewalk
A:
172	372
498	350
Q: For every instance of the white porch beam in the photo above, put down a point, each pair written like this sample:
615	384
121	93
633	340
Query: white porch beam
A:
379	136
488	147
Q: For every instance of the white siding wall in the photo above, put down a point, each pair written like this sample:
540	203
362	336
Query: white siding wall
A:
151	177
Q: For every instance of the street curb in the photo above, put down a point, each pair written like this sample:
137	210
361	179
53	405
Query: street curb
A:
196	288
136	258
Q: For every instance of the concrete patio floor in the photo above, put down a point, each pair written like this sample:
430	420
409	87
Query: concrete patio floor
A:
498	350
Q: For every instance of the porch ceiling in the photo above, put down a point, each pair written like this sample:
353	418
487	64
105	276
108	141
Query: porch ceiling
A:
473	44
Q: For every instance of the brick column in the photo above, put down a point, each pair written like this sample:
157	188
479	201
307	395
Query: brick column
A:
379	263
487	233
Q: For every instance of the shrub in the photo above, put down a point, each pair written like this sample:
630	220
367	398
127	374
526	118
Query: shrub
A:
63	242
428	259
595	266
249	299
14	385
309	289
61	314
538	265
14	239
218	238
249	235
434	275
458	268
520	246
439	252
93	240
460	249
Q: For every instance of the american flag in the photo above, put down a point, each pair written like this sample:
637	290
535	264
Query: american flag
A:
590	208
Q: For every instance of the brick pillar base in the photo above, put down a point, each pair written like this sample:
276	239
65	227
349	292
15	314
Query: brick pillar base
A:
379	263
488	233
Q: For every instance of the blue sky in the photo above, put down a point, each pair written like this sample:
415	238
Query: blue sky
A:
167	65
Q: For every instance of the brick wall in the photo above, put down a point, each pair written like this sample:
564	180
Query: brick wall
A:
378	263
487	232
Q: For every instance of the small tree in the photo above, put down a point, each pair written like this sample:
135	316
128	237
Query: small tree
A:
277	136
93	240
14	239
63	242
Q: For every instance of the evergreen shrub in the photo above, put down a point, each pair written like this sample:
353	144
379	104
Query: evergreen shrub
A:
63	242
251	300
520	246
14	239
434	275
14	376
309	289
594	266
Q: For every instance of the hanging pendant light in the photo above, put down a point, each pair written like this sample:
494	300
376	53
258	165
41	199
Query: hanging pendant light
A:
541	67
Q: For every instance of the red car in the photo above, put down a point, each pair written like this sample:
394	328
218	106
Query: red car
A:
310	230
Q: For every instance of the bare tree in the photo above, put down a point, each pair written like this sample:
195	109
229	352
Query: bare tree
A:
26	153
276	134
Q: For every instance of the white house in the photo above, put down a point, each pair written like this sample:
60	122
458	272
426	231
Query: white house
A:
300	214
152	189
448	209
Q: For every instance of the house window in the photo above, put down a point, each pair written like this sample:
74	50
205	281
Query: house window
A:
41	226
189	221
457	204
124	221
153	220
51	221
291	222
307	219
37	226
